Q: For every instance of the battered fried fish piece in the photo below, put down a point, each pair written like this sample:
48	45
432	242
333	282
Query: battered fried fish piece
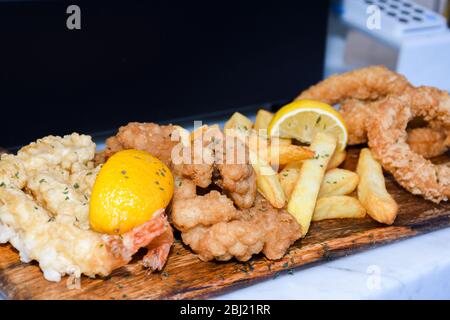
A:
150	137
220	231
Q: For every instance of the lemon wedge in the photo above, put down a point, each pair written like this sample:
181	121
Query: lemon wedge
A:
303	119
130	187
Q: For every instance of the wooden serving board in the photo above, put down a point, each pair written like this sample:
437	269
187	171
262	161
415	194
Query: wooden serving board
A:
185	276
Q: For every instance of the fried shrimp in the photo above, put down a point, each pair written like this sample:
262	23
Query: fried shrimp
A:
44	195
214	229
388	140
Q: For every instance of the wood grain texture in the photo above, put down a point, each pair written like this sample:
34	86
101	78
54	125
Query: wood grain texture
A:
185	276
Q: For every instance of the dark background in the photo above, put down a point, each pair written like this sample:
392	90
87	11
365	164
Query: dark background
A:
150	61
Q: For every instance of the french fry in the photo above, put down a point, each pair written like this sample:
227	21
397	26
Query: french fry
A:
267	181
372	189
338	182
239	121
262	121
289	177
284	154
303	198
338	207
263	118
337	159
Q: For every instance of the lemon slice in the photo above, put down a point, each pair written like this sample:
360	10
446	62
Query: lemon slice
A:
303	119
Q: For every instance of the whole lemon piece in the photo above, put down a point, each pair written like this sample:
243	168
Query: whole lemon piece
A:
130	187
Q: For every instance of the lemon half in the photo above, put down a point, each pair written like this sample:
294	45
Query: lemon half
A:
303	119
130	187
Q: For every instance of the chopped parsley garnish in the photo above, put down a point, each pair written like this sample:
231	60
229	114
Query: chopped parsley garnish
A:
42	181
318	119
76	186
2	184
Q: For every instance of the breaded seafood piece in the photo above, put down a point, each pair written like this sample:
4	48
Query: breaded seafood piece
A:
215	229
190	210
428	142
236	176
369	83
66	153
387	140
196	161
150	137
261	228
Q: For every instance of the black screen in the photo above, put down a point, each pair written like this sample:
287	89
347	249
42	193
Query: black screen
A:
150	61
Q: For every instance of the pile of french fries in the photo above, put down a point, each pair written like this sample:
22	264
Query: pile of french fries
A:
307	181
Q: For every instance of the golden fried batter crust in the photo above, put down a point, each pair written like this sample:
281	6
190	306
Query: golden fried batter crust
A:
428	142
149	137
260	228
388	140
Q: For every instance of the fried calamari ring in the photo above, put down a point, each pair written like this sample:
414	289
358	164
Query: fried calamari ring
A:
426	141
353	90
356	91
368	83
388	140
